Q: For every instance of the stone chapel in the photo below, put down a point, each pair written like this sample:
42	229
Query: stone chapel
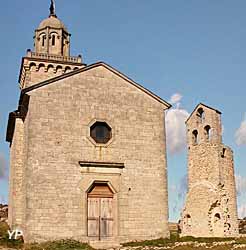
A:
87	149
211	207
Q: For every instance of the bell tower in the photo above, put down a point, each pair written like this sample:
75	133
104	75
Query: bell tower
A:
210	209
51	55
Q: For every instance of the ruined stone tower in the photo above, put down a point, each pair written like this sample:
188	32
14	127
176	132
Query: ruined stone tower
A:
210	209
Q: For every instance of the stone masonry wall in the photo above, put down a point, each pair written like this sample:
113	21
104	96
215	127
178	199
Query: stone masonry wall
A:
210	208
16	177
227	169
58	131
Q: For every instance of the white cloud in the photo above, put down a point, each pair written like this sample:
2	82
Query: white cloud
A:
242	211
240	134
179	192
3	166
175	126
175	98
241	184
182	187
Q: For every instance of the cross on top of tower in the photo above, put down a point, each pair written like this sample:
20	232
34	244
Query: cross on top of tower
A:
52	8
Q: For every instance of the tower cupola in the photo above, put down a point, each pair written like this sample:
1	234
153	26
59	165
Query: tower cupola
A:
51	36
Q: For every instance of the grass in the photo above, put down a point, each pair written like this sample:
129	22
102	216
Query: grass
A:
4	238
75	245
204	248
61	245
54	245
174	237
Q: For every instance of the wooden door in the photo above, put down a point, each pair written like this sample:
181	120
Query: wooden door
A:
93	216
106	217
100	212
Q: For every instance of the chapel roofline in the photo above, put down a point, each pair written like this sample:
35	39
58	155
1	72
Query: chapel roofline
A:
23	100
97	64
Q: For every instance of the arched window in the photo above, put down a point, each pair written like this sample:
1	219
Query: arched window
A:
195	137
53	41
43	41
201	115
207	133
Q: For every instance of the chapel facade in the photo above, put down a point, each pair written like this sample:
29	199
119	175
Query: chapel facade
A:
87	149
211	207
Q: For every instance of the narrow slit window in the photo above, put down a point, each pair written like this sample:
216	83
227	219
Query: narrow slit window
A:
43	40
53	40
223	154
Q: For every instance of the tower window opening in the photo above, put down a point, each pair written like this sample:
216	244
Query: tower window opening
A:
43	40
223	154
195	137
53	42
207	133
217	217
201	115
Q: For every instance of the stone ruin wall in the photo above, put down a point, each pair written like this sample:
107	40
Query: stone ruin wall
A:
210	208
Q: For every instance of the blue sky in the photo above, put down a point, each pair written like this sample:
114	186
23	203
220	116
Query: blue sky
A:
192	48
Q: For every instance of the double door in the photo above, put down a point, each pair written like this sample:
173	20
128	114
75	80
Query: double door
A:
100	217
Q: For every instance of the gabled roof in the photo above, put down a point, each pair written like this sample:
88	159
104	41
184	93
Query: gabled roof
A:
86	68
203	105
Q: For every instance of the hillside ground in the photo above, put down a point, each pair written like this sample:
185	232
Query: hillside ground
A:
175	242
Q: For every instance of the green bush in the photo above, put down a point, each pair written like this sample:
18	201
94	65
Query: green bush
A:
4	238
